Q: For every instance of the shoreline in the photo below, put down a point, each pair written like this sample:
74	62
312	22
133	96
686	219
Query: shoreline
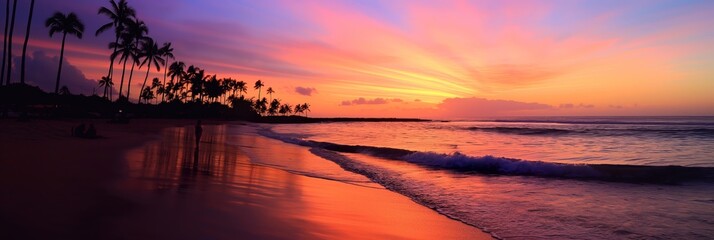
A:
87	198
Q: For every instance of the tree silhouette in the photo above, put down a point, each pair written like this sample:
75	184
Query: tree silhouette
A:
106	83
213	88
126	52
166	52
196	77
64	91
136	32
146	94
66	24
9	42
258	86
274	107
176	72
261	106
24	45
4	42
242	88
305	108
156	85
121	15
270	91
285	109
151	55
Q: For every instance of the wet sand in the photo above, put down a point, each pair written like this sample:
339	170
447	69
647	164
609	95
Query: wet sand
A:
145	180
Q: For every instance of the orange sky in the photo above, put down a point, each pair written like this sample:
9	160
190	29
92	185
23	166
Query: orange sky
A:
408	58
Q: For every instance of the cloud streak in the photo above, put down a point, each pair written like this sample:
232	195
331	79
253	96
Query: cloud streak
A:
374	101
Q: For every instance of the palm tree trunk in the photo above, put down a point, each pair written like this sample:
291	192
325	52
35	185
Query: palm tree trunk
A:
110	74
148	68
24	45
128	85
9	42
59	70
166	67
121	85
4	43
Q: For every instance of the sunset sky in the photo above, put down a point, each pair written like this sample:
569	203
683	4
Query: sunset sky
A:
436	59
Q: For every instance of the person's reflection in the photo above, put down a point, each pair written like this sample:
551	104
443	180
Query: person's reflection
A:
199	132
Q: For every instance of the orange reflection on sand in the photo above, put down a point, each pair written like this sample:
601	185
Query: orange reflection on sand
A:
217	191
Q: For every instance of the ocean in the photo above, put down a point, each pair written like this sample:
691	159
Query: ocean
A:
533	178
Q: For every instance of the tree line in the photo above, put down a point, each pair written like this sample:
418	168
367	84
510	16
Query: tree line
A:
134	50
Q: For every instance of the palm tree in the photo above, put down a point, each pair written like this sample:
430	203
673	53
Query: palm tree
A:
67	24
107	83
213	88
258	85
4	43
24	45
146	94
270	91
274	107
196	77
166	52
242	88
285	109
150	53
298	109
121	15
125	50
64	90
136	31
261	106
176	71
9	42
305	108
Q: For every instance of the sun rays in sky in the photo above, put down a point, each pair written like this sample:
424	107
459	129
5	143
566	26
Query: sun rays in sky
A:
566	57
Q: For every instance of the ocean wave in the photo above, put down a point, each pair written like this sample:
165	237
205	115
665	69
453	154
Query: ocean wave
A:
517	167
671	132
523	130
707	121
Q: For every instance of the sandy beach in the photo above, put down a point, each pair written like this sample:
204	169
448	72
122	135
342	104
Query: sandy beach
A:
145	180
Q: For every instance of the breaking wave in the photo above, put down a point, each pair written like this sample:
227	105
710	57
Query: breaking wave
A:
518	167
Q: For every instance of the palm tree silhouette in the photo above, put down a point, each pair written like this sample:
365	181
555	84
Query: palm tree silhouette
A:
136	31
121	15
242	88
274	107
196	76
166	51
176	71
213	88
4	42
305	108
24	45
9	42
150	52
258	85
270	91
285	109
106	83
67	24
261	106
125	50
64	90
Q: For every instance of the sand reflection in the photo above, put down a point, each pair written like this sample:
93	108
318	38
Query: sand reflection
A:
215	191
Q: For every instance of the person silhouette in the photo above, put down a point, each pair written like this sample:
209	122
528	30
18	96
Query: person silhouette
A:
199	131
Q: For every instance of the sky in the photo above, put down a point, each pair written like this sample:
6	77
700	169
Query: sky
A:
430	59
